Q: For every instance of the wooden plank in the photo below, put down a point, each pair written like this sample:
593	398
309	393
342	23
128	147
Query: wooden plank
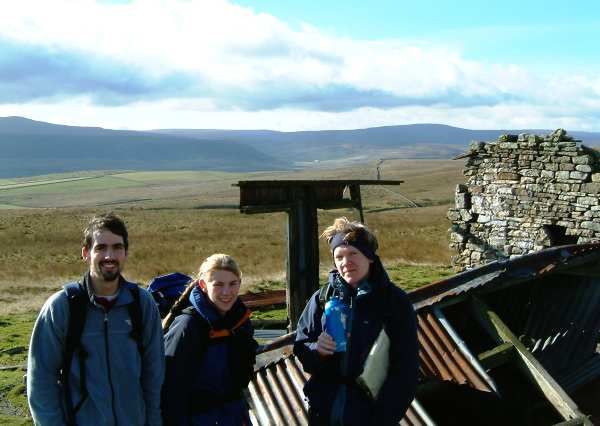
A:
528	363
267	208
497	356
320	182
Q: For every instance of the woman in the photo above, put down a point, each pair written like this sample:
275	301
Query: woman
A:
372	303
210	351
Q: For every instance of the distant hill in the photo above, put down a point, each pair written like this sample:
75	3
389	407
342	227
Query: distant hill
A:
407	141
29	147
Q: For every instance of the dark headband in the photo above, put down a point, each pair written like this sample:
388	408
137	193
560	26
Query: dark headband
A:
358	241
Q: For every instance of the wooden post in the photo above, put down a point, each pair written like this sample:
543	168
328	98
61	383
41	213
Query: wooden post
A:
303	252
355	196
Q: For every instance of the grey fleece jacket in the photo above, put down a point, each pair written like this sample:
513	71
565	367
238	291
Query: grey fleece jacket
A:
124	388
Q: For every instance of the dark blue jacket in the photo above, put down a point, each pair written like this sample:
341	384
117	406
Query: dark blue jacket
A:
331	390
205	376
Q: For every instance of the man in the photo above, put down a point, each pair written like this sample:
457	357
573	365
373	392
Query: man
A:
373	303
116	369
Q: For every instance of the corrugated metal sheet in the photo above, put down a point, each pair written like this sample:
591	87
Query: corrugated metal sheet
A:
445	358
506	272
558	319
275	397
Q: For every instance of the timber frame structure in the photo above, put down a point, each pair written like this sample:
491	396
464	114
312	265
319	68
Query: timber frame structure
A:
301	199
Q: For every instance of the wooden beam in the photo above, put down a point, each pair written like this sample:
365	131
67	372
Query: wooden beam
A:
576	422
529	364
270	208
497	356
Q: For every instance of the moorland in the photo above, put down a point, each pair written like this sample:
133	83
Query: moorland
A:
176	219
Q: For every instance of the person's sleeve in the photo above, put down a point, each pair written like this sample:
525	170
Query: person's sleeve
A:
44	362
398	391
153	362
307	332
181	355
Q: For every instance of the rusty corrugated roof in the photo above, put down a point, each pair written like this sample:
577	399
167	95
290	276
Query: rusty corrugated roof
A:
275	397
275	394
443	356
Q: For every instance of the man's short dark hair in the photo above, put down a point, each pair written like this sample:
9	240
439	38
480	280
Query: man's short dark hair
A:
110	222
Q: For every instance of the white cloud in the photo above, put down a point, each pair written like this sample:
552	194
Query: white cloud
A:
186	56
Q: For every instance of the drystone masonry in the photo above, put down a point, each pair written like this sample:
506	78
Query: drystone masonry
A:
525	193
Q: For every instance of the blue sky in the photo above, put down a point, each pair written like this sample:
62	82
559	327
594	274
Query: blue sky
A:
290	65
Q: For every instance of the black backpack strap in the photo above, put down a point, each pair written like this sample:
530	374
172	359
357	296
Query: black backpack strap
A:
325	293
135	313
77	298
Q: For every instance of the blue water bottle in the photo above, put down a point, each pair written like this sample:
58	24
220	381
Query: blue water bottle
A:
336	316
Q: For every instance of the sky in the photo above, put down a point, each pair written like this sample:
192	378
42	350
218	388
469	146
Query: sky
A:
302	65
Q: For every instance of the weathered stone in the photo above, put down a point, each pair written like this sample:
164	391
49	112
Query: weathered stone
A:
518	185
566	167
584	159
578	175
530	172
588	201
453	215
583	168
477	146
594	226
508	145
465	215
483	218
591	188
508	176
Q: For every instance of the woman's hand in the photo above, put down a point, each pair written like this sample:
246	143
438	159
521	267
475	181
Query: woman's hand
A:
325	345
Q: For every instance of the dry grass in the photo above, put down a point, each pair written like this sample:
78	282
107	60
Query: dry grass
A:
40	247
43	246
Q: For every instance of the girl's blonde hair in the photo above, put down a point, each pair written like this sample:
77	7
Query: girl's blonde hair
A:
219	261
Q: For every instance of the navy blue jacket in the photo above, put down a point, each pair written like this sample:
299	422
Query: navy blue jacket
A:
331	390
205	376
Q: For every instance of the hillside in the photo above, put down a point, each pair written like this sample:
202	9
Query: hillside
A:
408	141
32	148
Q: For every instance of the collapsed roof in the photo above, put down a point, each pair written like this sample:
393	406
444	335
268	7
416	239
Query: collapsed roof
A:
506	343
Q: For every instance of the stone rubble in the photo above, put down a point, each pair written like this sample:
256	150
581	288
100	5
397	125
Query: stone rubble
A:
524	193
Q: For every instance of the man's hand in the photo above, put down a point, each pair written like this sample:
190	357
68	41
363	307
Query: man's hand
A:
325	345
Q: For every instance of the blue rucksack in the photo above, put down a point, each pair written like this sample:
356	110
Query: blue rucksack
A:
166	289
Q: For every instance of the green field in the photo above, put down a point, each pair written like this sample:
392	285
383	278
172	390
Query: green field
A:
178	218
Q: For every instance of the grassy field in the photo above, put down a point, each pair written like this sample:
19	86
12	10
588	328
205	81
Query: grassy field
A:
176	219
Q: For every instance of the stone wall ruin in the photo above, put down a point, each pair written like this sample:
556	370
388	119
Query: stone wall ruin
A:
525	193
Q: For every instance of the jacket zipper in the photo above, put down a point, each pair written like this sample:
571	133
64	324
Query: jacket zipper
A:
112	391
346	355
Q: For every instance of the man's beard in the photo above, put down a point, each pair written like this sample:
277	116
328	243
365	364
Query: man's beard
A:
109	275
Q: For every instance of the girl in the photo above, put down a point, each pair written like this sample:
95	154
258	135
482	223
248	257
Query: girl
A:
210	351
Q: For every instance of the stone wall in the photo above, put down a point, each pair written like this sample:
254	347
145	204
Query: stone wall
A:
525	193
